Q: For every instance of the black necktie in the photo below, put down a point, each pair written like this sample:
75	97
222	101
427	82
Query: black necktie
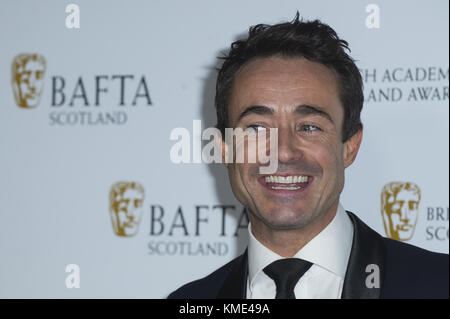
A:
286	273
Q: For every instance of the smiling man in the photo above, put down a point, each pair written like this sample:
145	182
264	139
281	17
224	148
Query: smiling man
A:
297	77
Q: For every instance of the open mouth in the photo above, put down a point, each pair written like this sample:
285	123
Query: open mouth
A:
287	183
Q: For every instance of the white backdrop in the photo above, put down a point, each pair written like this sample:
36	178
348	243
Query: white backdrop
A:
56	170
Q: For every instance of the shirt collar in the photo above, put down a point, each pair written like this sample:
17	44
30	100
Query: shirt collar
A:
330	249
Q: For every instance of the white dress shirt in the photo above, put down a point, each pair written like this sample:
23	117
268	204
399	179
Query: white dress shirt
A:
329	252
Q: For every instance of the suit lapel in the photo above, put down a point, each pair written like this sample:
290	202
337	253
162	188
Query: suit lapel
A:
235	284
367	249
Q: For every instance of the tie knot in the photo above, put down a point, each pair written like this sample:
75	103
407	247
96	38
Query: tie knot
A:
286	273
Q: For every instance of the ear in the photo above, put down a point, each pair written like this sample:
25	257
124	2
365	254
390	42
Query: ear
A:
351	147
223	147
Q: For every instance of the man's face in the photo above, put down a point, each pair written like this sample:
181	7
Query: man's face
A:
301	99
29	83
403	213
129	211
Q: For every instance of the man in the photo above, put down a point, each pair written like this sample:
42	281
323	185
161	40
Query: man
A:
297	77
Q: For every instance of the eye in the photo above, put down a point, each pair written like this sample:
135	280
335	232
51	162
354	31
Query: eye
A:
137	203
396	206
413	205
24	77
309	128
122	205
256	128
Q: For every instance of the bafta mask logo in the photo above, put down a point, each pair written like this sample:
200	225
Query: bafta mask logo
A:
400	209
125	207
27	79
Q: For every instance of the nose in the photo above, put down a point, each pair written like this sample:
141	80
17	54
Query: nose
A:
32	80
288	150
405	214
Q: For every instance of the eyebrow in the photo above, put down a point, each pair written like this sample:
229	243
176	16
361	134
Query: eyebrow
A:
256	109
300	109
314	110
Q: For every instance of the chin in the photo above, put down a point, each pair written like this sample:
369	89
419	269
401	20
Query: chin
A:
285	219
130	232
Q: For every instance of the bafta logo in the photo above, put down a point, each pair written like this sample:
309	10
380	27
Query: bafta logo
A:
27	79
400	209
125	207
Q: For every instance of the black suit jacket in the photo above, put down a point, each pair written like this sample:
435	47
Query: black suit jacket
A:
405	271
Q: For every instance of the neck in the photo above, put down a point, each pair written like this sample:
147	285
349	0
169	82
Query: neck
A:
287	242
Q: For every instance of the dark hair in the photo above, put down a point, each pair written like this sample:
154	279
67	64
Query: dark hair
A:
312	40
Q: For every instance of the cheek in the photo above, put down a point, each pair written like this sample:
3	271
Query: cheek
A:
413	214
237	174
240	180
39	84
121	215
235	181
395	218
233	174
328	155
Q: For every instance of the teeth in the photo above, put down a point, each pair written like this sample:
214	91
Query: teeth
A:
286	188
286	179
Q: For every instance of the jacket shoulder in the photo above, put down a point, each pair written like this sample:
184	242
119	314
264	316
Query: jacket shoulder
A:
204	288
413	272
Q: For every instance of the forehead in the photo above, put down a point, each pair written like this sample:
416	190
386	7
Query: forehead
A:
285	82
32	65
406	195
131	193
